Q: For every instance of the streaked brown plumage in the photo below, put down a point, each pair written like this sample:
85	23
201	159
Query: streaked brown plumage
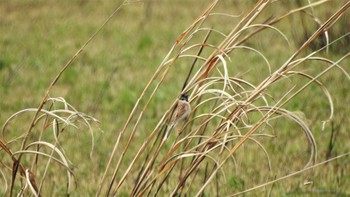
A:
181	113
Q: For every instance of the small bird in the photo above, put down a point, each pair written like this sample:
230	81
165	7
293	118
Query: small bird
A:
182	110
181	113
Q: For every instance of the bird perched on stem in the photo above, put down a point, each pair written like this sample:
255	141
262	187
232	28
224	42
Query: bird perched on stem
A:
181	113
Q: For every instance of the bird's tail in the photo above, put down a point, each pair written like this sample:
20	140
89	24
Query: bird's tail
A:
169	129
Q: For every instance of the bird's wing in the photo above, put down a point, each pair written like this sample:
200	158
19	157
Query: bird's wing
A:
181	110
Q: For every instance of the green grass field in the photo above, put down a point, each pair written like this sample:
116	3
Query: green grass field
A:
37	38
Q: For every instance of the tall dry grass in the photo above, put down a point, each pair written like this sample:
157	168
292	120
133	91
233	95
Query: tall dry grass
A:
228	110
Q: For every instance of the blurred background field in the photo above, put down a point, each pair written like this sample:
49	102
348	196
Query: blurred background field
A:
38	37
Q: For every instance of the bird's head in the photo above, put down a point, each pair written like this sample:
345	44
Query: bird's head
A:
184	97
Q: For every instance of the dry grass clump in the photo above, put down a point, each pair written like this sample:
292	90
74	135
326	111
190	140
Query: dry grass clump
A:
227	112
233	114
42	151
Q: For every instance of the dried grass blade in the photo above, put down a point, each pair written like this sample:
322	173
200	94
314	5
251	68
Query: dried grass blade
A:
292	174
